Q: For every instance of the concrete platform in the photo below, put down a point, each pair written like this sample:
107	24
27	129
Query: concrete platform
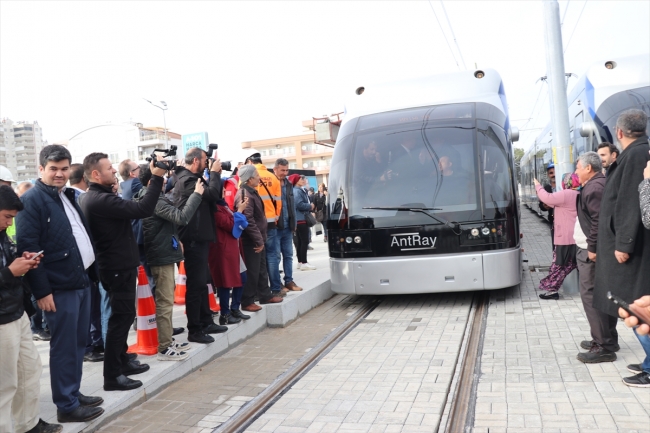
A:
162	373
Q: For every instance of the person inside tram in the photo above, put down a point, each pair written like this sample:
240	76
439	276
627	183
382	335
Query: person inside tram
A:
369	172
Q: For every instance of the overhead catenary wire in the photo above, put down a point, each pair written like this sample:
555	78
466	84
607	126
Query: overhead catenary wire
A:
564	14
443	34
575	27
453	35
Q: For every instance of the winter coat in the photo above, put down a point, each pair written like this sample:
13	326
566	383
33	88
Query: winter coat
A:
231	186
301	203
620	228
255	233
226	254
564	203
201	226
13	291
161	238
44	225
289	206
588	204
110	218
644	199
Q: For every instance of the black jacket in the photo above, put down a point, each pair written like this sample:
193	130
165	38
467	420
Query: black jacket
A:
201	227
110	224
588	204
551	211
44	225
620	229
161	238
288	193
13	292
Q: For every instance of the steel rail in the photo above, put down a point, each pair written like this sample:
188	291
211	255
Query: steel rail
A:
256	407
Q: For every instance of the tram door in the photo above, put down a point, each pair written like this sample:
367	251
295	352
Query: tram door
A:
578	140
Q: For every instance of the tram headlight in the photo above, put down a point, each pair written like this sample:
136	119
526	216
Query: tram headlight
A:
348	240
474	232
485	231
357	239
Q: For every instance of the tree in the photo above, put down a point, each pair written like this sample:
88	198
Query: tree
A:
519	153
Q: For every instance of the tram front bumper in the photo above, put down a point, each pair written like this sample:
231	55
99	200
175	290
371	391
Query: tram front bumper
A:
427	274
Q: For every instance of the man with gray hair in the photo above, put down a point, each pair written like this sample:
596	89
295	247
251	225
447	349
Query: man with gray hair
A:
623	250
604	338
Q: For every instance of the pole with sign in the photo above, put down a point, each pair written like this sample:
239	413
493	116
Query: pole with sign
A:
197	139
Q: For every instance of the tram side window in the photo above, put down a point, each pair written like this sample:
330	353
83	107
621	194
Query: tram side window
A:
337	179
495	168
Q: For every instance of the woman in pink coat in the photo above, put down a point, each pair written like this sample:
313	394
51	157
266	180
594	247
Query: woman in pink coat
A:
564	254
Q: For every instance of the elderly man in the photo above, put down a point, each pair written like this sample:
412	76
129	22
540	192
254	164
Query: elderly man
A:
608	154
604	338
623	251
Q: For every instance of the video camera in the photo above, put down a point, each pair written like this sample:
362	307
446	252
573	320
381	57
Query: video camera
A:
167	164
227	165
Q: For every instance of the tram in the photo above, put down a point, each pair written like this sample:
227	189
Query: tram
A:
422	192
606	90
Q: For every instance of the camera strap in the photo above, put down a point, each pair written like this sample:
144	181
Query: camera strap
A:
269	193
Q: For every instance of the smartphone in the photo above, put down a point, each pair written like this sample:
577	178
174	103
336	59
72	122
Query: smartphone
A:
641	314
38	254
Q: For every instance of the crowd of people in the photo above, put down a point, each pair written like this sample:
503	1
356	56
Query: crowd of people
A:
601	226
72	245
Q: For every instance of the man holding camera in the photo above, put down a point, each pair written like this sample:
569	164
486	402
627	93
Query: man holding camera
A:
196	237
118	258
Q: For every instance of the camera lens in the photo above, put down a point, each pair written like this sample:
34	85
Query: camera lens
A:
227	166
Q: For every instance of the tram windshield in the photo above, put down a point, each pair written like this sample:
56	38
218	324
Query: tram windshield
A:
456	169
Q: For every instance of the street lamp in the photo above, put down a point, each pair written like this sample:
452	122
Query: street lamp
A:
164	104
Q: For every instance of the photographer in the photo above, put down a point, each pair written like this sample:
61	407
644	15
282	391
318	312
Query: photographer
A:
118	258
196	237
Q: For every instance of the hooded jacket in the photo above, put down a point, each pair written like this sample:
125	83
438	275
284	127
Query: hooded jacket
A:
161	238
201	227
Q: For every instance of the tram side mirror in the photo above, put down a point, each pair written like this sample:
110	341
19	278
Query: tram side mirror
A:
514	134
586	129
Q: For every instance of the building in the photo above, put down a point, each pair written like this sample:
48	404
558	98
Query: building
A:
20	144
300	150
121	141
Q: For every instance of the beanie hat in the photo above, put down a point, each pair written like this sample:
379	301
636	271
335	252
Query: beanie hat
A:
246	172
294	178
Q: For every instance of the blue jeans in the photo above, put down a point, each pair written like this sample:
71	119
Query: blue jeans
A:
95	330
645	343
279	242
224	299
38	321
105	309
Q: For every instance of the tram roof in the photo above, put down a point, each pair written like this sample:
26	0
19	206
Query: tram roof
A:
450	88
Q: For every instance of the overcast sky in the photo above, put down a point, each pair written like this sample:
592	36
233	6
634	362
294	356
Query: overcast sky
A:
253	70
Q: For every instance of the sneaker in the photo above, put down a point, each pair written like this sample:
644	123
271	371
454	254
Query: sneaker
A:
298	265
180	347
641	380
635	368
586	344
307	267
550	295
596	354
41	335
170	354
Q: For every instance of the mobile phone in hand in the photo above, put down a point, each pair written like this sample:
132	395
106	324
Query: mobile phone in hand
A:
640	313
37	255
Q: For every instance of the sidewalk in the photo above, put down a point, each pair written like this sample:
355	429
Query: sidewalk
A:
316	290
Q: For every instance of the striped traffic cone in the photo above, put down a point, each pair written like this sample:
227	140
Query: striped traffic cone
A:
213	302
147	342
181	285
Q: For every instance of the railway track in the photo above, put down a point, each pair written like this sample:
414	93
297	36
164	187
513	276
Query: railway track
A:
459	409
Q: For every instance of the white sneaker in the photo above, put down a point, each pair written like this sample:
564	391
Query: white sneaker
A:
298	265
180	347
171	355
307	267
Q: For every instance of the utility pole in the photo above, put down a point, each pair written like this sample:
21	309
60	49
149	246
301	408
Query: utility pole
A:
557	90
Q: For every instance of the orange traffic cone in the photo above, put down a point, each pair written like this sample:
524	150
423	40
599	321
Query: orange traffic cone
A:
181	285
213	302
147	343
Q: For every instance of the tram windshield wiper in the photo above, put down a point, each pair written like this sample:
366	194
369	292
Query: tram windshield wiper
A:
422	210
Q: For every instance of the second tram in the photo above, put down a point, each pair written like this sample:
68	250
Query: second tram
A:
422	192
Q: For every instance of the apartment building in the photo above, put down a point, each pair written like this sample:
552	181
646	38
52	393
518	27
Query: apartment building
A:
20	145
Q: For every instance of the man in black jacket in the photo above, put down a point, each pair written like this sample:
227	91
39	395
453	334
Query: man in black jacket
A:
118	259
16	346
53	223
196	236
550	188
604	338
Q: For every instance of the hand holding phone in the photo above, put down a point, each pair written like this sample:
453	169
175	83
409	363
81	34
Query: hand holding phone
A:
637	309
37	255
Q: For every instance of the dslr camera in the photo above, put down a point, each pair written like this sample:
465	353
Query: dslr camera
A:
168	163
227	165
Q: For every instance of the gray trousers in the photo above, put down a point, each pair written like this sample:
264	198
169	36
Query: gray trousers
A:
603	326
